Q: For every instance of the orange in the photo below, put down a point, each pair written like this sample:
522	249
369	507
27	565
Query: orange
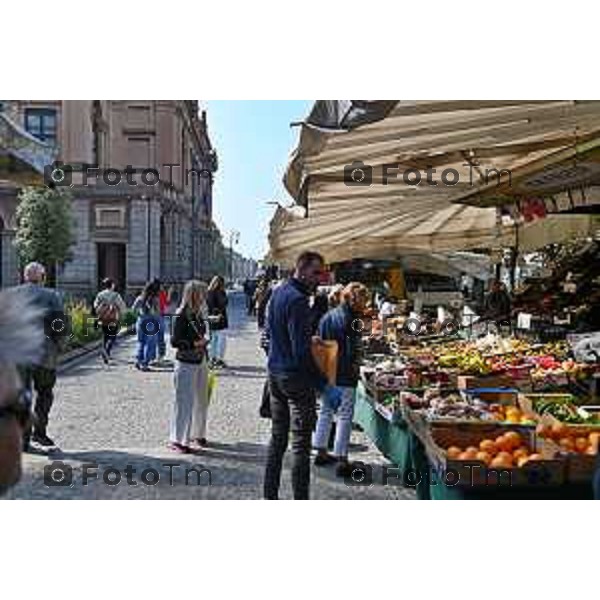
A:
536	456
567	444
503	444
453	452
558	431
467	456
487	446
581	444
499	463
521	452
472	450
594	440
505	457
591	451
523	460
484	457
543	430
513	439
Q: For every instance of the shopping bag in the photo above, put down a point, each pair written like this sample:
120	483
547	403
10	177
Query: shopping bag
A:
212	384
325	354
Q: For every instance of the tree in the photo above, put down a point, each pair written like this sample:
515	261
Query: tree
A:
44	227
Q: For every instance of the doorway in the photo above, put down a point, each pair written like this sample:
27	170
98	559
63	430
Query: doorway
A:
112	260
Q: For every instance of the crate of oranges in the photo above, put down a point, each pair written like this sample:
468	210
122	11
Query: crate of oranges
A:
578	443
495	455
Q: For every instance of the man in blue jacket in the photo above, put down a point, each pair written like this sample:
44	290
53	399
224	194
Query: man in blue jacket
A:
293	376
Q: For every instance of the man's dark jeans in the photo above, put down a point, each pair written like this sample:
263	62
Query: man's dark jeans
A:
42	380
293	406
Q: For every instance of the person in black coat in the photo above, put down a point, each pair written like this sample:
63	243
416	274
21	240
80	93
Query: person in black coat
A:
216	301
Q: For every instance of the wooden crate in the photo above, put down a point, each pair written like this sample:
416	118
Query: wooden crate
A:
580	468
506	396
548	472
465	382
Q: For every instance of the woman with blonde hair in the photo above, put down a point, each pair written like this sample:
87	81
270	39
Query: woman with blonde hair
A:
342	325
188	419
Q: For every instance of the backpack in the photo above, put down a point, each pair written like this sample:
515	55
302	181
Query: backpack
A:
107	313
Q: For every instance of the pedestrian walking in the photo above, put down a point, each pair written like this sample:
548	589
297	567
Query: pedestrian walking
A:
163	303
216	301
190	409
339	325
21	343
250	288
147	326
293	376
40	376
109	307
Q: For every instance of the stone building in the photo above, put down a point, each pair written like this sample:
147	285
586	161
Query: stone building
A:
143	209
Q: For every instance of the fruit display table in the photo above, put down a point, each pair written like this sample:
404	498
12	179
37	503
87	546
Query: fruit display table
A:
403	448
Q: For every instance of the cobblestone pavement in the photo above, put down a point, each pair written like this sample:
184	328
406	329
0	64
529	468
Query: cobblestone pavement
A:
116	416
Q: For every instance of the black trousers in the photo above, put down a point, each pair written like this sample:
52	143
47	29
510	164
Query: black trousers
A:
108	340
41	381
293	408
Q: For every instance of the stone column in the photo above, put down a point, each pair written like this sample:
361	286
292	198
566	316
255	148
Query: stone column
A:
79	274
143	249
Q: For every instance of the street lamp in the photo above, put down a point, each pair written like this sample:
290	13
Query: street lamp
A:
234	238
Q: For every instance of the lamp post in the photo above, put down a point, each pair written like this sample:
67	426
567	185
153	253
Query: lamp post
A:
234	238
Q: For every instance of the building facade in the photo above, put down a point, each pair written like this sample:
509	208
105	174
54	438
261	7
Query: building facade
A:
141	175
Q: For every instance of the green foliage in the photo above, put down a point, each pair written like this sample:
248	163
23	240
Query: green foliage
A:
129	318
44	226
84	331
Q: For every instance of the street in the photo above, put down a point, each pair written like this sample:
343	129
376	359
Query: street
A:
114	419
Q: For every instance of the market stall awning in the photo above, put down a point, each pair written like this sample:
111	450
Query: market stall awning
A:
382	228
472	136
413	166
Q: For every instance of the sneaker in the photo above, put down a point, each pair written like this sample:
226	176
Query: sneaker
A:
43	440
141	367
201	442
324	458
105	356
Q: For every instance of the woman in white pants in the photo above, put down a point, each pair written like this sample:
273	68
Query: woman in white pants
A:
188	418
341	324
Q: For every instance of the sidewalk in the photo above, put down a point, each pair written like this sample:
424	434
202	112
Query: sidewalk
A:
117	416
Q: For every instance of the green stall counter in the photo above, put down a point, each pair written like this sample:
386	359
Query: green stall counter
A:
395	440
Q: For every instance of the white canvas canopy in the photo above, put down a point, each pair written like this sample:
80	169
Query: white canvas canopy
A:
471	142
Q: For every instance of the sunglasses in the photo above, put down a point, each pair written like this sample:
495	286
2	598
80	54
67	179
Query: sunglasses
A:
17	409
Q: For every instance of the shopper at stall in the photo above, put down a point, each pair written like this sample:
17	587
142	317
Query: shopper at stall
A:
497	305
293	376
339	324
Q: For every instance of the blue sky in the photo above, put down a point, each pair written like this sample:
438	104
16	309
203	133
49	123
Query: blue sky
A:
253	140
